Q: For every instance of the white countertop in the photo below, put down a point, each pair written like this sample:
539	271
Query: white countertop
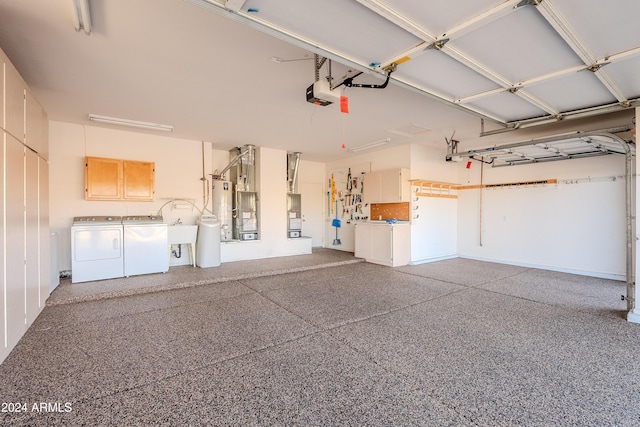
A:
382	222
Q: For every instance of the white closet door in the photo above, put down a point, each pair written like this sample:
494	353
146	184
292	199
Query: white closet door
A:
32	282
43	232
3	326
313	202
15	241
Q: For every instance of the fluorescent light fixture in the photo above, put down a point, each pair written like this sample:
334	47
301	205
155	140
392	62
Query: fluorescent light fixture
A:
370	145
81	15
280	60
127	122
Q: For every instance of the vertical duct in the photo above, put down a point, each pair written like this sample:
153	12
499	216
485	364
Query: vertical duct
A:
250	171
293	162
241	166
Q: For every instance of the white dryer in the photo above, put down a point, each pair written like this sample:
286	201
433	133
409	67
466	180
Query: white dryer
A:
96	248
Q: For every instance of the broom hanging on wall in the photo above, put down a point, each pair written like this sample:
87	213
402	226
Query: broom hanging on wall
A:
336	223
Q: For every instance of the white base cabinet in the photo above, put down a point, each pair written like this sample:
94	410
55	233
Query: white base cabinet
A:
382	243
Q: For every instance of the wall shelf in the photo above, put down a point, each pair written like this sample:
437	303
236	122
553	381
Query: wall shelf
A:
424	188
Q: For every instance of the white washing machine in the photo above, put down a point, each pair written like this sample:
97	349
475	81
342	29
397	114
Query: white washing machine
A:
146	245
96	248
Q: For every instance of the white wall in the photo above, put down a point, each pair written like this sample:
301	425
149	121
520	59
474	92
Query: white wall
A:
428	163
434	224
179	169
569	227
380	159
575	226
387	158
178	166
272	210
311	186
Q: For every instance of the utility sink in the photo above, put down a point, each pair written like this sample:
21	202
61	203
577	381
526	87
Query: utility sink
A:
182	234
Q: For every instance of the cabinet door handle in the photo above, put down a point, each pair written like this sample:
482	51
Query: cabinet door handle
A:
116	244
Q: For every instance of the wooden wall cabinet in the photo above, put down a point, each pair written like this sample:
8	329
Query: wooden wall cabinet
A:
103	179
387	186
138	180
115	179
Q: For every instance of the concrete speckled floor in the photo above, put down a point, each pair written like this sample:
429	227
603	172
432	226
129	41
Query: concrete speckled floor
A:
329	340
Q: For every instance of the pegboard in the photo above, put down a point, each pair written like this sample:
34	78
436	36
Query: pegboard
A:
344	198
384	211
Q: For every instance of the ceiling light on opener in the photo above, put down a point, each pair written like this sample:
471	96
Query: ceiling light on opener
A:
127	122
370	145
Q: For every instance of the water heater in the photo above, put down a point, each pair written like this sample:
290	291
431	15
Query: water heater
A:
222	197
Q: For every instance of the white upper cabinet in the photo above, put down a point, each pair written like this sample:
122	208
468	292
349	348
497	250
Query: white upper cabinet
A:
14	101
387	186
3	59
37	126
21	115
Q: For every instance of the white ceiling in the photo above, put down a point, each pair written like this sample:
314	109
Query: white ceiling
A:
209	72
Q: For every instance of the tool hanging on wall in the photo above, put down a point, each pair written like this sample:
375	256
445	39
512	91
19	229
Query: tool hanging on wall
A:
336	223
333	193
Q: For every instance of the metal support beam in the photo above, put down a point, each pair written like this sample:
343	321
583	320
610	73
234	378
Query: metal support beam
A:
254	21
596	68
548	10
545	143
401	21
553	149
575	114
446	48
436	41
622	55
481	20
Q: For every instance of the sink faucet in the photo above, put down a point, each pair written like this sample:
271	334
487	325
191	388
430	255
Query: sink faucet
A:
177	222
